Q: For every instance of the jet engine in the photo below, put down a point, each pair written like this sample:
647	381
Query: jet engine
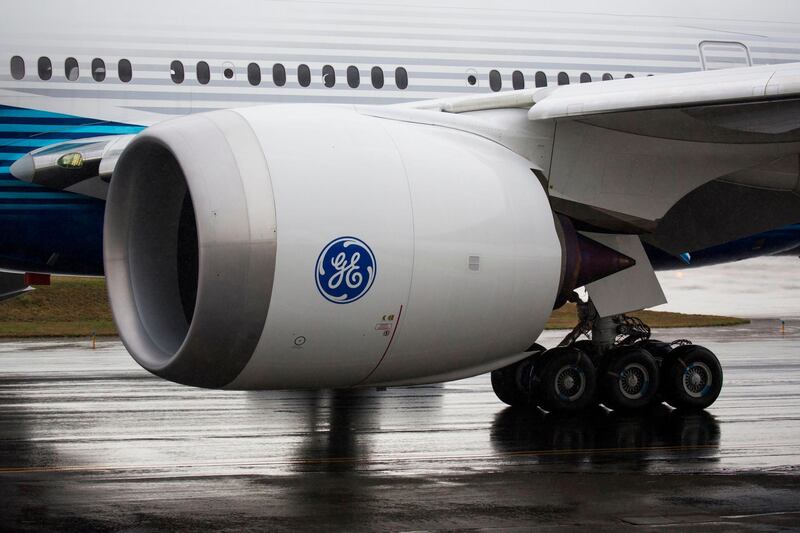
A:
316	246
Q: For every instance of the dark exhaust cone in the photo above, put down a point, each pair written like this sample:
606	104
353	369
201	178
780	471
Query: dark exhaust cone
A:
585	261
598	261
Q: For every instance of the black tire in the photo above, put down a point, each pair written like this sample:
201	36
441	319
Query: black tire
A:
694	378
661	351
630	380
511	384
567	380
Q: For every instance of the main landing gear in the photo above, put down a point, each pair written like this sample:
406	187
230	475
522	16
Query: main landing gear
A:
620	367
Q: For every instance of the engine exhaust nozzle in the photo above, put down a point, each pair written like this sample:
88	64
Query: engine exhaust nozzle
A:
584	260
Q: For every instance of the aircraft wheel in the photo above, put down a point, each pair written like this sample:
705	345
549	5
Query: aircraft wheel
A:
630	380
694	378
660	350
567	380
512	383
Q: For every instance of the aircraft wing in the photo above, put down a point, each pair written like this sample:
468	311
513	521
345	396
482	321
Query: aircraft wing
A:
683	161
627	154
620	155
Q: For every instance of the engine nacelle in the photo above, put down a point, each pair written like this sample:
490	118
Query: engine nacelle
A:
314	246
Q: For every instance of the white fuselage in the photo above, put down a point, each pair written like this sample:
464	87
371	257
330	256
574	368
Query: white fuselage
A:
440	45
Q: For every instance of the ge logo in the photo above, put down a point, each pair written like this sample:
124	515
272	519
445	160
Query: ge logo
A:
345	270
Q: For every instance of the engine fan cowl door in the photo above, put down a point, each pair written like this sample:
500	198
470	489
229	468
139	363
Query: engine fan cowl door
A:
345	248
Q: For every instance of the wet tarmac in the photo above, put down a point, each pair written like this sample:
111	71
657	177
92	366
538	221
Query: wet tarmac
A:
88	440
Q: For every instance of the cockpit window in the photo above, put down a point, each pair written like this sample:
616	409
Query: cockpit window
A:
71	69
17	68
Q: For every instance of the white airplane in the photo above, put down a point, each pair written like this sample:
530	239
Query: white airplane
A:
347	194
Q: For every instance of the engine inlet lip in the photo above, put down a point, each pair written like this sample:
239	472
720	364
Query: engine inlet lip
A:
236	251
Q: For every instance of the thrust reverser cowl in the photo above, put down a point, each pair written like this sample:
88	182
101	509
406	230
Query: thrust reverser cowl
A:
231	240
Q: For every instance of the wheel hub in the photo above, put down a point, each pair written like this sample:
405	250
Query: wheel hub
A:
570	383
697	379
633	381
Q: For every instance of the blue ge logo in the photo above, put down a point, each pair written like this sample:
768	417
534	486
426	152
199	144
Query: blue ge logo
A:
345	270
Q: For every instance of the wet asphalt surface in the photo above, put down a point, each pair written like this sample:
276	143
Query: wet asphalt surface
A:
89	441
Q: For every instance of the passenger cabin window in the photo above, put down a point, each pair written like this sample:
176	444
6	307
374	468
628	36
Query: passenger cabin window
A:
304	75
628	76
176	71
563	78
540	79
586	78
71	69
203	72
495	81
98	69
254	74
124	70
377	77
328	76
45	67
353	77
607	77
518	80
278	74
17	68
401	78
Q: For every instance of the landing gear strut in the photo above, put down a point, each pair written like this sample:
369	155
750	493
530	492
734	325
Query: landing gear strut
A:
618	366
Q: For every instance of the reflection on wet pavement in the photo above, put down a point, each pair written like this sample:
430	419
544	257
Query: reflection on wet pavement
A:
601	437
85	432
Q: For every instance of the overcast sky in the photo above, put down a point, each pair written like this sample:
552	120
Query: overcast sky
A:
763	287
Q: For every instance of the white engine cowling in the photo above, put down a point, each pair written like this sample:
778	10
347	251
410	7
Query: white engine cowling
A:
313	246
